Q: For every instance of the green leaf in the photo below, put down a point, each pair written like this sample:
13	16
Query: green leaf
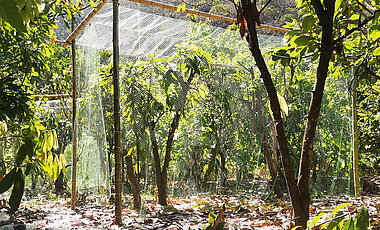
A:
55	140
374	32
302	40
316	219
211	218
9	12
62	161
335	221
181	7
92	3
339	207
7	181
308	23
202	91
22	152
17	192
283	105
361	221
376	52
349	225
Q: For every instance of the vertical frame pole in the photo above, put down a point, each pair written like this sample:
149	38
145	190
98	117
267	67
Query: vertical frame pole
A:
74	124
116	113
355	146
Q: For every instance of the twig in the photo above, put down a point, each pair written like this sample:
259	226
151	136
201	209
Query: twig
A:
218	218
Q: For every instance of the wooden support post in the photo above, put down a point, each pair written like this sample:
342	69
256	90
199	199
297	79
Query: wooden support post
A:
355	146
116	113
74	124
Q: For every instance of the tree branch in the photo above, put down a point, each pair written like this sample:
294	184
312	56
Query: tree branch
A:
351	31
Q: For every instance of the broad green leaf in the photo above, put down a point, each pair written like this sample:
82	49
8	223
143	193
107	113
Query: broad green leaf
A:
211	218
302	40
376	52
202	91
7	181
17	192
338	3
335	222
374	32
308	23
354	17
208	57
339	207
55	140
10	13
361	221
63	163
316	219
283	105
349	225
56	169
48	141
130	152
21	153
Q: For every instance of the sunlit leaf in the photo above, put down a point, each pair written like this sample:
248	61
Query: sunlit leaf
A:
376	52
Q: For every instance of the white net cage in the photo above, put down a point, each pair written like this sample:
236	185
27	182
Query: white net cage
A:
143	35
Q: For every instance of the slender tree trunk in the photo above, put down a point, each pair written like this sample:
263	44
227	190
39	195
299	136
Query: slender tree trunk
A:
299	193
223	170
300	214
325	14
162	174
210	165
272	170
162	189
133	180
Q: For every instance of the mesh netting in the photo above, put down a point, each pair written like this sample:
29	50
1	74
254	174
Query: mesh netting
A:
232	81
147	34
92	166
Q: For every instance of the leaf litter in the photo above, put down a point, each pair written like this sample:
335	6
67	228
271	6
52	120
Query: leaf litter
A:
242	211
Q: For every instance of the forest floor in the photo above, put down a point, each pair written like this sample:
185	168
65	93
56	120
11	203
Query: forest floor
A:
243	210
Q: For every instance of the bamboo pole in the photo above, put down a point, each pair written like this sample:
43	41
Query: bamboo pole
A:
355	146
74	154
203	14
116	112
86	20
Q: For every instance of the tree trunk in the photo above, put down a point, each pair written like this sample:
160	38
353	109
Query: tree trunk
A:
162	174
325	14
133	180
299	193
300	214
223	170
161	186
210	165
272	170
